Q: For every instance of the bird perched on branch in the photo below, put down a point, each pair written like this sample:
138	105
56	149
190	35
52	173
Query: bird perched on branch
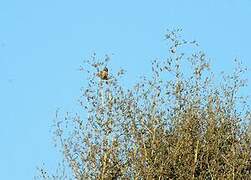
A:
103	74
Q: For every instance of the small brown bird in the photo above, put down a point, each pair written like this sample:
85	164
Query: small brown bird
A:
103	74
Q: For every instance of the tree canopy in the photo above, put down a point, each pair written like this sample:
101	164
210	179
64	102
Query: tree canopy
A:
182	122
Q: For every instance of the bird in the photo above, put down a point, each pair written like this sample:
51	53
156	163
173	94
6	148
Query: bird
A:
103	74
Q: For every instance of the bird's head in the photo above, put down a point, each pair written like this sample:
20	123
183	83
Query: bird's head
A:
105	69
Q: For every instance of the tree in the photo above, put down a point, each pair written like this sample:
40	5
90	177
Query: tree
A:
176	124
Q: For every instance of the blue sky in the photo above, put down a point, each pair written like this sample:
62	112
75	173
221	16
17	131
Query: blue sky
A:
42	44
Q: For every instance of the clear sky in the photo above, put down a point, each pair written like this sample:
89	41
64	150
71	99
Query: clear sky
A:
42	44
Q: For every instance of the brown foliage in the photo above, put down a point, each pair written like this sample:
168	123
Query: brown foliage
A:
177	124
